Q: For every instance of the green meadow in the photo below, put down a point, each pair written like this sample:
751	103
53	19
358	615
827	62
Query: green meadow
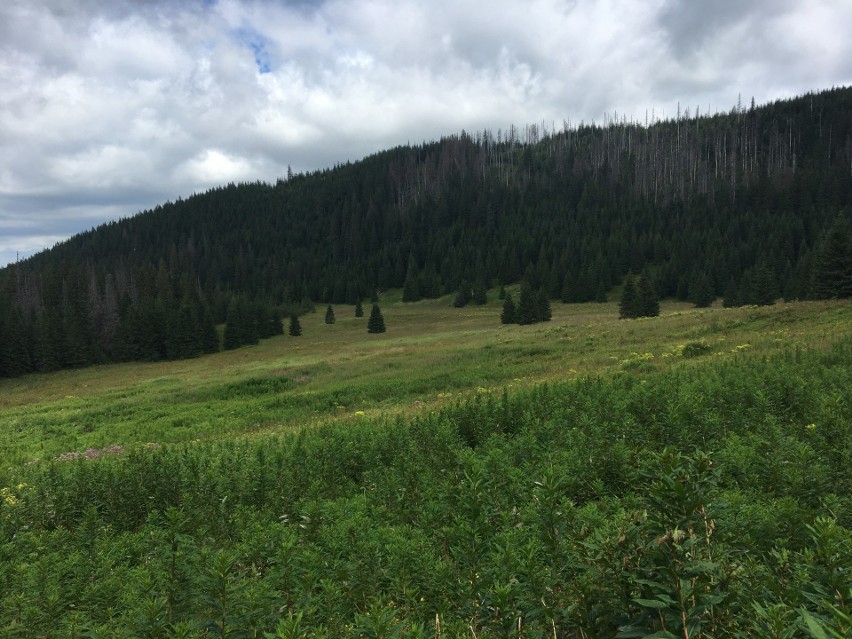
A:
431	354
680	476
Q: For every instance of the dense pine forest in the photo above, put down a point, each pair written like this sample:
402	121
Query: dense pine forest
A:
751	205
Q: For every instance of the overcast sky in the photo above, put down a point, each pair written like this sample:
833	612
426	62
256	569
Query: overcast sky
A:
109	107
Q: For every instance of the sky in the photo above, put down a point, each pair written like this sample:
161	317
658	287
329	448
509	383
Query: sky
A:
110	107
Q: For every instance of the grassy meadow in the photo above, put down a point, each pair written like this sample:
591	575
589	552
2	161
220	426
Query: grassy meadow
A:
432	353
681	476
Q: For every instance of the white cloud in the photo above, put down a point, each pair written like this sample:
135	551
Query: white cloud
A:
108	108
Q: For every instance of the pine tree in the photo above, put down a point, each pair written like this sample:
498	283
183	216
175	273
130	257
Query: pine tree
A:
730	297
508	314
410	290
502	294
231	338
376	323
832	273
542	306
277	324
209	337
411	287
295	327
463	295
648	302
359	310
628	307
329	315
757	286
701	291
525	312
186	334
480	294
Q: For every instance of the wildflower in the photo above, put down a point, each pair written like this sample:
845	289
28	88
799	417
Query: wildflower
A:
360	413
811	426
8	497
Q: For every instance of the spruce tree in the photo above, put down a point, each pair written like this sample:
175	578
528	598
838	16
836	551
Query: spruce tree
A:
295	327
410	290
186	334
502	294
411	287
463	295
600	295
209	336
508	314
763	287
277	324
542	306
359	310
231	338
730	298
832	272
701	291
480	294
525	312
376	323
329	315
648	302
628	307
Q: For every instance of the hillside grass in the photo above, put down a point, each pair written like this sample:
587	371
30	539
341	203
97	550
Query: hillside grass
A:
431	354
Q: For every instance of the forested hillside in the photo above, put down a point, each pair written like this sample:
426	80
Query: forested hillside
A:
753	204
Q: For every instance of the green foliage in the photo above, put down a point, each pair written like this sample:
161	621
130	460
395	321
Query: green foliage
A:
638	298
480	293
376	322
329	315
533	307
628	307
295	328
696	349
507	315
463	296
701	291
710	500
832	275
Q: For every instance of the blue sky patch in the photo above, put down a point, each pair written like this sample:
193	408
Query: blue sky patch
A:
259	45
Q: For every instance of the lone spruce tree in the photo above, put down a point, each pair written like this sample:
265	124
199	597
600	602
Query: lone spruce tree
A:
329	315
359	310
376	323
295	327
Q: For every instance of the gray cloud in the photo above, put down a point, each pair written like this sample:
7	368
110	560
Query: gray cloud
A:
107	108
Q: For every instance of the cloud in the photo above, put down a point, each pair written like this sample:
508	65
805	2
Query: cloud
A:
110	108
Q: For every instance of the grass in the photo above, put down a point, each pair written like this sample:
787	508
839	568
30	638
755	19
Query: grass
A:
431	354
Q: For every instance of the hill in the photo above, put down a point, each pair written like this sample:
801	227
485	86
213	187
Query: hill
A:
752	205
